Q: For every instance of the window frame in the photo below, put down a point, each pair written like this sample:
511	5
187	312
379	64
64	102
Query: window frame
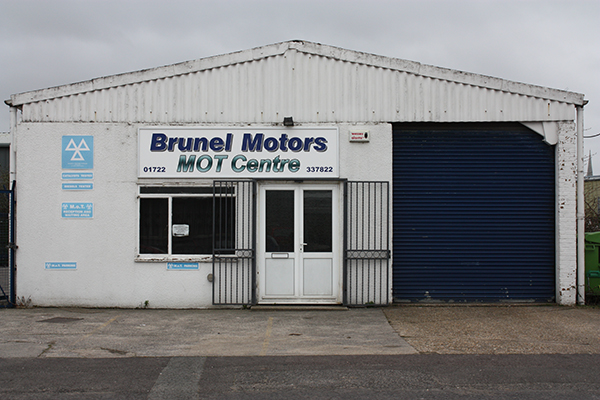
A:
169	192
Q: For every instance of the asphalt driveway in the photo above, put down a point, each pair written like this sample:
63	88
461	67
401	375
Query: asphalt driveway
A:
395	330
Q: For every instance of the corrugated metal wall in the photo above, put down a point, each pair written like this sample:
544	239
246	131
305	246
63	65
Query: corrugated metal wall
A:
311	88
474	214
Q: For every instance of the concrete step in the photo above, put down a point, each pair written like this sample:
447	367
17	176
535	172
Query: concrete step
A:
298	307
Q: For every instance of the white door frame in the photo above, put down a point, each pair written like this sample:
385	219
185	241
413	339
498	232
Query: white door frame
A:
296	259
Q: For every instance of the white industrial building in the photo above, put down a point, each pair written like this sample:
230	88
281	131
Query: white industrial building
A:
296	173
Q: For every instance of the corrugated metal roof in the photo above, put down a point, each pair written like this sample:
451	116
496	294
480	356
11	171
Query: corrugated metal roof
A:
314	83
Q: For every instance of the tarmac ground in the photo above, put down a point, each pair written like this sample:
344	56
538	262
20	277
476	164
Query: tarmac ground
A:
397	352
395	330
389	377
540	329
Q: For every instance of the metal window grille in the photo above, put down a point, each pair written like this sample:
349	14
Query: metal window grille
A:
234	242
366	243
7	248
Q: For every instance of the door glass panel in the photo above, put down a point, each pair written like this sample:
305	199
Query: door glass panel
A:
317	221
280	221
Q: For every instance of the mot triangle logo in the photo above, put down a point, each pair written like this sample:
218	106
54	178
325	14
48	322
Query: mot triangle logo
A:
78	152
77	149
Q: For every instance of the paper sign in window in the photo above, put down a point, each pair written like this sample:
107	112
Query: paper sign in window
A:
181	230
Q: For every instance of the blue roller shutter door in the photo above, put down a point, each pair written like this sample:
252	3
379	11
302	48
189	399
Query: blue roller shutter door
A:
473	214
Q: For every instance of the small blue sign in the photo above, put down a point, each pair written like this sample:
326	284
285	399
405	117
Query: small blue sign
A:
77	175
61	265
77	186
77	210
78	152
182	266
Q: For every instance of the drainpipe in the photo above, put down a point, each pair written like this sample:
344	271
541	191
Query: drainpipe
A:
13	144
580	209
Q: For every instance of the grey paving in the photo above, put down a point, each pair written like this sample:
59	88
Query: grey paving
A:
99	333
396	330
407	352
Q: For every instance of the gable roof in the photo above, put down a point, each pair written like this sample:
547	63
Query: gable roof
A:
311	81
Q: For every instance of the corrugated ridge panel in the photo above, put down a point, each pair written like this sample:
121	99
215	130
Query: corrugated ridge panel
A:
474	212
311	88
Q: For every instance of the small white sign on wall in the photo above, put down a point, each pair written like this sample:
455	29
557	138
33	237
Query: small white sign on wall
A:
359	136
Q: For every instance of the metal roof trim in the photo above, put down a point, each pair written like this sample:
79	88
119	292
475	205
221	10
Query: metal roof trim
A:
447	74
305	47
150	74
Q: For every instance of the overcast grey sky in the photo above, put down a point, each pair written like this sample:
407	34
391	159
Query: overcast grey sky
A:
554	43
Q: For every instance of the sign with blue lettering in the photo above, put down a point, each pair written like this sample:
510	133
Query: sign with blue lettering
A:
77	186
77	152
270	152
173	266
77	210
61	265
77	175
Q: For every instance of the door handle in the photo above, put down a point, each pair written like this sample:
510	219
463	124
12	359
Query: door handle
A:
302	246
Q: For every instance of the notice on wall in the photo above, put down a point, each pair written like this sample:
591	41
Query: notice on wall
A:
267	153
68	176
182	266
78	210
77	152
77	186
61	265
359	136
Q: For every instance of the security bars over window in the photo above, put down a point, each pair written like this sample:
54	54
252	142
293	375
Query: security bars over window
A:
234	256
366	243
177	221
7	248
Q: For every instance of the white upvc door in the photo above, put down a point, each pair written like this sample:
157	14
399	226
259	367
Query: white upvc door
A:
298	244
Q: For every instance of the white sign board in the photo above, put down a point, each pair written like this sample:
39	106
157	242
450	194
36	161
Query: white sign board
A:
266	153
359	136
181	230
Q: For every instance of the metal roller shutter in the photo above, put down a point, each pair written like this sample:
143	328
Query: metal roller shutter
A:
473	213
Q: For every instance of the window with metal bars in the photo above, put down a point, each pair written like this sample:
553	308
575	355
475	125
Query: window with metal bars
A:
179	220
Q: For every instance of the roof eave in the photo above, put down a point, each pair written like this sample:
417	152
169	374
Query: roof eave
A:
337	53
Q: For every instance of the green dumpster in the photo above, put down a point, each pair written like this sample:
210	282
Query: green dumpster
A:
592	263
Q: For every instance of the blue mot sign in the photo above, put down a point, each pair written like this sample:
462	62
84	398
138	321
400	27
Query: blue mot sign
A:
77	152
268	153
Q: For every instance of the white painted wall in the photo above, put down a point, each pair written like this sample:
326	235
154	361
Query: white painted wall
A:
368	161
105	247
566	212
